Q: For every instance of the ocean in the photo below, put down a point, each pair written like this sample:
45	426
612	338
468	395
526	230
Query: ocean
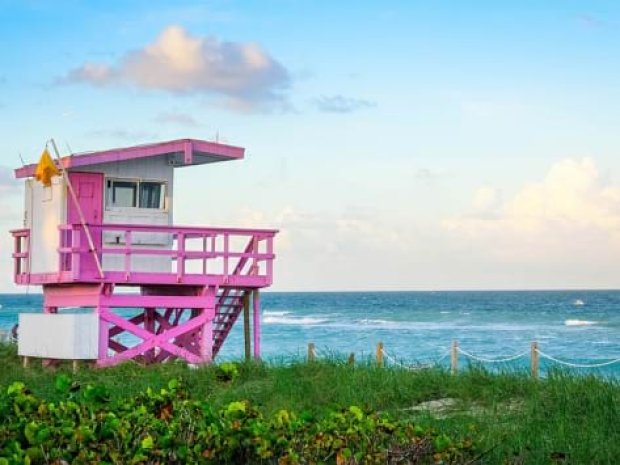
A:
418	327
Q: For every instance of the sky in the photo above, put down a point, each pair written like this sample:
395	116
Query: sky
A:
396	145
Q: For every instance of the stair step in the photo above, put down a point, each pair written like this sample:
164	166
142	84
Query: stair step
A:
230	304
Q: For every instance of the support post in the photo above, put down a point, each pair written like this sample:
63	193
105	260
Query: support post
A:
256	302
25	361
149	325
380	354
454	357
351	360
207	315
75	365
534	360
104	336
311	352
246	325
206	341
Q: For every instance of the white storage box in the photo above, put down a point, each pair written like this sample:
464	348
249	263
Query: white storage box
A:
70	337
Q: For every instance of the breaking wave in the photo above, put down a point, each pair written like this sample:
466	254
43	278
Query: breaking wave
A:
269	313
283	319
579	323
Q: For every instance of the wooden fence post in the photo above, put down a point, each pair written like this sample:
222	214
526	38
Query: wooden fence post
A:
311	352
351	360
454	357
380	354
534	360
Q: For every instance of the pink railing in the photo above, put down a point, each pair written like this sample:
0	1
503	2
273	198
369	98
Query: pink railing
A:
157	254
21	238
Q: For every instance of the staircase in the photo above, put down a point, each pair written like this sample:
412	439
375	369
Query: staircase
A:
227	309
229	304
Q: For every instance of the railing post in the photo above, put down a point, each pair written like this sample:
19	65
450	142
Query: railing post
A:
17	261
180	256
534	359
204	251
26	263
454	357
311	352
254	268
127	254
226	254
76	252
62	241
270	260
379	354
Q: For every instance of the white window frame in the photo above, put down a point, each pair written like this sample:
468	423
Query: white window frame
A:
138	181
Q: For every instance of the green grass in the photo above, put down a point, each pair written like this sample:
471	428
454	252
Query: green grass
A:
563	418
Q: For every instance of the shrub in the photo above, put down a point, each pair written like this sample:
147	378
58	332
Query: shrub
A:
165	426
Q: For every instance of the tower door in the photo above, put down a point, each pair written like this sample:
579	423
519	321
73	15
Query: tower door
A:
88	188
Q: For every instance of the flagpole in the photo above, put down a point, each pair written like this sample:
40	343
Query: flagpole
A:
89	237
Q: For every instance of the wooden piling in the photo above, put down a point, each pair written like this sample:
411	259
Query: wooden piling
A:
380	354
534	360
454	357
311	352
75	365
246	325
25	362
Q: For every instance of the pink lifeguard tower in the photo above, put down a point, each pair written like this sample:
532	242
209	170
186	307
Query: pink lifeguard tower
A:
101	238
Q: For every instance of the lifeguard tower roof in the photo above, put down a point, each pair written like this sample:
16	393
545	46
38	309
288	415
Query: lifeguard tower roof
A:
180	152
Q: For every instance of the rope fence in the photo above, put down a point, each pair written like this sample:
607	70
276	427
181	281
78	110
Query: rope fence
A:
578	365
534	354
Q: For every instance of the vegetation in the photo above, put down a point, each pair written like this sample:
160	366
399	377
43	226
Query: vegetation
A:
322	412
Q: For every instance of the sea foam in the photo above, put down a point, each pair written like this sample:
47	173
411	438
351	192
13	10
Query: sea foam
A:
579	322
269	313
288	320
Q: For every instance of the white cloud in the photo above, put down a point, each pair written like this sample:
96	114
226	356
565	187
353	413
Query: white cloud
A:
349	248
487	200
342	104
126	135
177	118
572	213
181	63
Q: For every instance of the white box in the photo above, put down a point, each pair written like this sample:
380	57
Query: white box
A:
70	337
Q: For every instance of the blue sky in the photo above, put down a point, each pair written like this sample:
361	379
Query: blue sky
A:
397	145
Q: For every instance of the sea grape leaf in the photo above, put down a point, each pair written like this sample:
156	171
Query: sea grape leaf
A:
62	383
15	388
30	432
357	412
147	443
234	407
442	442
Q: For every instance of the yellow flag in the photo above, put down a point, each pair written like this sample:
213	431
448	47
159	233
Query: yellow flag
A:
46	169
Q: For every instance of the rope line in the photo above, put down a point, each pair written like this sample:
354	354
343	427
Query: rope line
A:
577	365
414	367
443	357
494	360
